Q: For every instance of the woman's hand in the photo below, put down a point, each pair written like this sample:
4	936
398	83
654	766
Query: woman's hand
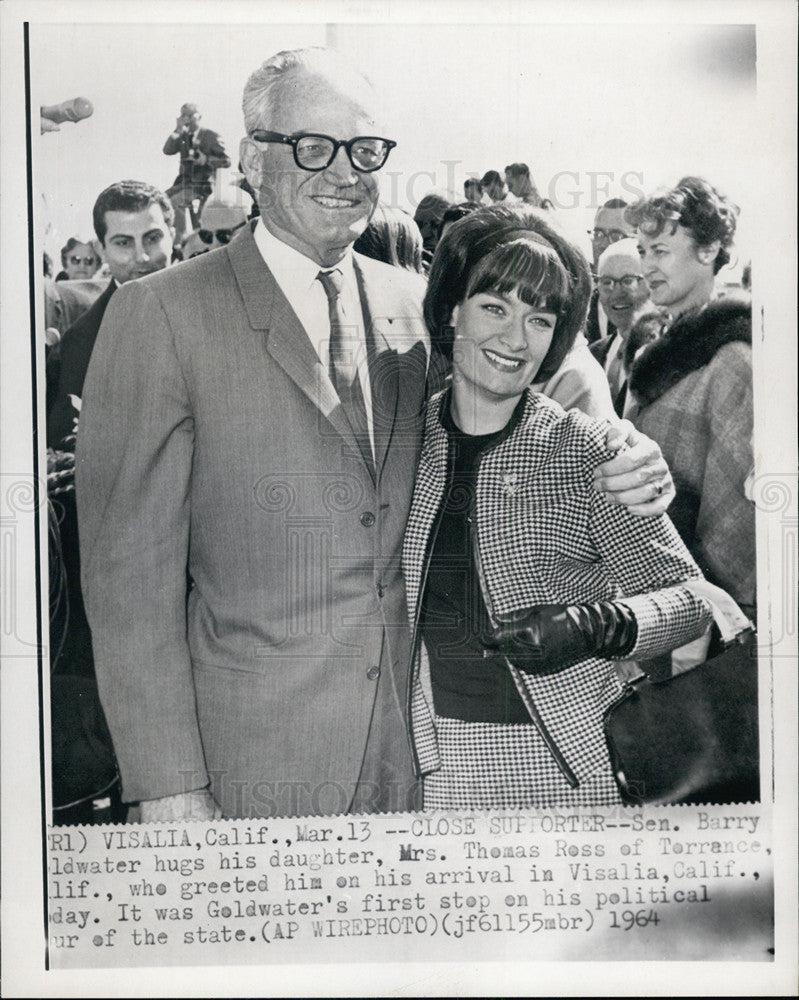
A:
540	640
638	477
549	637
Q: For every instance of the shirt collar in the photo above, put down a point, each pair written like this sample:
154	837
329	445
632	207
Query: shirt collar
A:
293	271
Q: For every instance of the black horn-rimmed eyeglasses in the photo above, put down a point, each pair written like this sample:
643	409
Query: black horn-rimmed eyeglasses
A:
629	281
314	151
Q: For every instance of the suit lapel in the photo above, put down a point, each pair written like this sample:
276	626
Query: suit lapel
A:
286	340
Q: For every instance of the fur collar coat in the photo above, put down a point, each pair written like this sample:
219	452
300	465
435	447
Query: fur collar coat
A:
690	343
694	387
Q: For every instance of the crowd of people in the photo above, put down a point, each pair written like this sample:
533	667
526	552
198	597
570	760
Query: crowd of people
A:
345	518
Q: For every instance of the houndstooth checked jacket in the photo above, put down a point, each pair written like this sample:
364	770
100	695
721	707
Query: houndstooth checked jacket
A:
545	536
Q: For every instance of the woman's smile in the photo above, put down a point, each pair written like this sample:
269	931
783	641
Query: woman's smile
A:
502	362
500	342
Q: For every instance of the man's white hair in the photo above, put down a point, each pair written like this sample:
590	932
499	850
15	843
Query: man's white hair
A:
627	247
265	87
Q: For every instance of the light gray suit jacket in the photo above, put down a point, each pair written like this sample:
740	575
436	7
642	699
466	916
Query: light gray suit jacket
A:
241	568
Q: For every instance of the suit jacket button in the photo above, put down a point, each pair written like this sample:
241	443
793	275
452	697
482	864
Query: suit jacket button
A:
367	519
373	673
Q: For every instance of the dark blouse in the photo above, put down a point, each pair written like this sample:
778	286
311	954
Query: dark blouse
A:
470	682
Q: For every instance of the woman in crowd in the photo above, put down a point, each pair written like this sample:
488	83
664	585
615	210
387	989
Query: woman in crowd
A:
523	581
78	260
428	217
694	384
393	237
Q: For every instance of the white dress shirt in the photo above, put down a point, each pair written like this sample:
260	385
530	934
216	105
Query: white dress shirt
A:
296	275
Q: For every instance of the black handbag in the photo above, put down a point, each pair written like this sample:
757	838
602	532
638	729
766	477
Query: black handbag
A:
692	738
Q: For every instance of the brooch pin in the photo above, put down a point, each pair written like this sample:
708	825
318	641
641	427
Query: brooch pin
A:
510	484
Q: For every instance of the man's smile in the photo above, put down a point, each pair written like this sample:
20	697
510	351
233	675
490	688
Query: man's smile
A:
335	201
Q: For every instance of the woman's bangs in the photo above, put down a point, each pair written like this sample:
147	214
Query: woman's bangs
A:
533	271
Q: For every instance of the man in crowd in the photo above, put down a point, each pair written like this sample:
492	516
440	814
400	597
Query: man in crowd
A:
473	190
520	184
252	420
133	223
609	227
202	152
624	296
220	220
494	186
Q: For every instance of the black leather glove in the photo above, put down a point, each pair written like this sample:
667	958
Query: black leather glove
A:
549	637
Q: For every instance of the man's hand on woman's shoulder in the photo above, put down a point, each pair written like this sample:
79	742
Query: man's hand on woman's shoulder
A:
638	476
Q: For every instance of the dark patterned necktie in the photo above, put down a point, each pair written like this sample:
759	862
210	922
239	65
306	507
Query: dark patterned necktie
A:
344	364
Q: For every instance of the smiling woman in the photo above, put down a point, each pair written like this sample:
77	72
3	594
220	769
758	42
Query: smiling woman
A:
524	583
503	342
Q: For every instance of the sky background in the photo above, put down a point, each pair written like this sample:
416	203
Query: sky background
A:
596	110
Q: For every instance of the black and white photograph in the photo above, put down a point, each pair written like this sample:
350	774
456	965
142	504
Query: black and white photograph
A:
399	498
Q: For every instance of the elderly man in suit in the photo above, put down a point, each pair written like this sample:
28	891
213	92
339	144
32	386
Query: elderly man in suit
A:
624	295
251	423
610	226
249	436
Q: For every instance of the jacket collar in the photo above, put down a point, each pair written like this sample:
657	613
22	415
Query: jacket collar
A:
286	340
690	343
493	440
440	425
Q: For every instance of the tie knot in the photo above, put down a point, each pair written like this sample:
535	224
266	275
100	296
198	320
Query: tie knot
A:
331	282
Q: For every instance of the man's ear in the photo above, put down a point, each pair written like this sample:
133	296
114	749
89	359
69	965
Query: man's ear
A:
251	162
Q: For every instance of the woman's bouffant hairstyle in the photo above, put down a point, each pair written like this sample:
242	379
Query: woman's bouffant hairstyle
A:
393	237
504	249
695	204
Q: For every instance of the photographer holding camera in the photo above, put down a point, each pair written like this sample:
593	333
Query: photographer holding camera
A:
202	152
